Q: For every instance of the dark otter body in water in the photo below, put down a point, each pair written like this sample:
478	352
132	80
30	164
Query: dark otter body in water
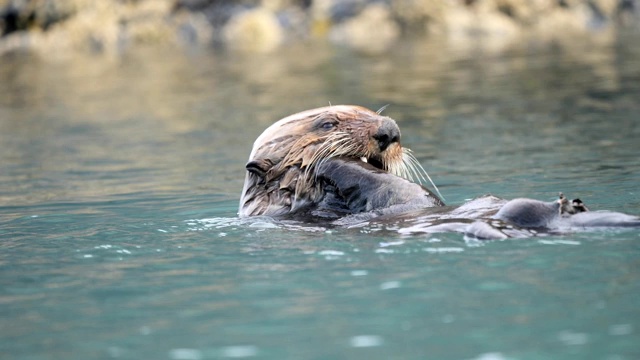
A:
344	165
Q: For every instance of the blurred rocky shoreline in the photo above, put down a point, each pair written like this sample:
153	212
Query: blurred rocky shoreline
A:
114	27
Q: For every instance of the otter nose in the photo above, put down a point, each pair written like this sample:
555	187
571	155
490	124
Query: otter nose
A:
387	134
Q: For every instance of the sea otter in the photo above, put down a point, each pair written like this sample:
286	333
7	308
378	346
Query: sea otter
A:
330	162
345	164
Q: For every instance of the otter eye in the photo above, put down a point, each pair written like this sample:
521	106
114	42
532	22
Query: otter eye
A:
327	125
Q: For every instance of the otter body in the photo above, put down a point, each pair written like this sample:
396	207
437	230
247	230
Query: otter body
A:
345	164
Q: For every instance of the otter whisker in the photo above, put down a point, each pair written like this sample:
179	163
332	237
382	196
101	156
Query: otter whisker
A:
413	165
331	141
399	168
410	173
343	149
394	169
421	171
410	160
331	146
381	109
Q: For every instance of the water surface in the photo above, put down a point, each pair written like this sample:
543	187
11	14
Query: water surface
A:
120	179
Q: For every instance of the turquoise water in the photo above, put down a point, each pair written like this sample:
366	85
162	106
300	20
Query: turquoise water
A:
120	179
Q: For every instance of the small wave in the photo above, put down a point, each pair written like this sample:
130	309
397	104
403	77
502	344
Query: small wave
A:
256	223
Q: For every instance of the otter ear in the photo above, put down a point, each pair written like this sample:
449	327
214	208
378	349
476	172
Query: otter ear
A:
258	167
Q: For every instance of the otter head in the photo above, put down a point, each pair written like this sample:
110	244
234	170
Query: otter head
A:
280	172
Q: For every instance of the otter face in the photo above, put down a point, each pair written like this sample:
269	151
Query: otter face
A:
305	138
280	175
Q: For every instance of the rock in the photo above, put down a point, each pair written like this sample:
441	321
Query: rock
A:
370	26
109	27
420	16
372	31
255	30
